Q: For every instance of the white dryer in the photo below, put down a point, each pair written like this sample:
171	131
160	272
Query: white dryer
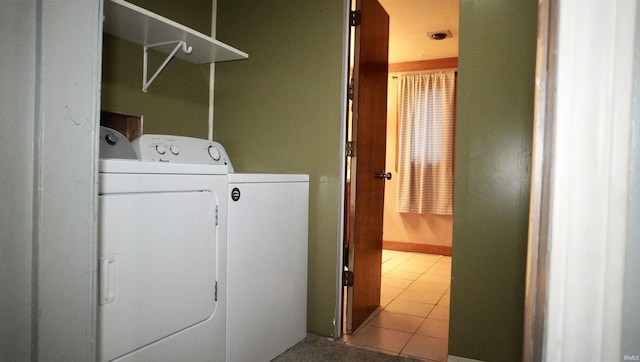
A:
162	260
266	255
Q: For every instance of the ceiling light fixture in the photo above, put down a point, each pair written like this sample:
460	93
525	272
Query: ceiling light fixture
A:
439	35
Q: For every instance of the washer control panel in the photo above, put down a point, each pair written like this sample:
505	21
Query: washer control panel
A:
180	149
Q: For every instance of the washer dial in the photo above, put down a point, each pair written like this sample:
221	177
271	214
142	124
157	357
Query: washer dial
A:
214	153
160	149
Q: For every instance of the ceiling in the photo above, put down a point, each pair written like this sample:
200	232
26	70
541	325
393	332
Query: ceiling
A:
411	20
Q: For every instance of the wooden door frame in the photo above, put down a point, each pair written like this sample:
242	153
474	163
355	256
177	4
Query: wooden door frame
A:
536	278
338	311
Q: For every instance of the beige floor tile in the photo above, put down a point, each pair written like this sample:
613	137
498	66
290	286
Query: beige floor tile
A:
430	277
382	338
434	328
415	296
405	275
427	286
443	263
392	264
409	308
440	312
440	268
420	346
445	300
398	256
387	294
384	301
425	264
428	258
420	296
439	274
396	321
395	282
386	258
413	268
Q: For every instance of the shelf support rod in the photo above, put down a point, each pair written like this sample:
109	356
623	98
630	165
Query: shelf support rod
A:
179	44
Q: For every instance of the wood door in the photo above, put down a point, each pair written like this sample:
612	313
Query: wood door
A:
369	121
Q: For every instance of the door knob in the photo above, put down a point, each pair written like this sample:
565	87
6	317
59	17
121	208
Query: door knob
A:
385	175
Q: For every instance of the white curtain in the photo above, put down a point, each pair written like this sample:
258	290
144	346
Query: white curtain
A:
426	117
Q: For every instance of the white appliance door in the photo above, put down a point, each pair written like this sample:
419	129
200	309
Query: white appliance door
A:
157	267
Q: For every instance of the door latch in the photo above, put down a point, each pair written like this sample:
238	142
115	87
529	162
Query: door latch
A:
384	175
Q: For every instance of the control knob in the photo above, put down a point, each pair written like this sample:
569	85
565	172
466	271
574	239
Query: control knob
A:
111	138
214	153
160	149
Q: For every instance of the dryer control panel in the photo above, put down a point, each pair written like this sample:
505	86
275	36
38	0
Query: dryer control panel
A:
180	149
114	144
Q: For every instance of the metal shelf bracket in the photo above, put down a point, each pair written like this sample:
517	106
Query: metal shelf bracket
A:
179	44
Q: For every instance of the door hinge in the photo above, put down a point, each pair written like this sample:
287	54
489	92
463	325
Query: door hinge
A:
215	292
354	17
351	149
216	216
350	90
347	278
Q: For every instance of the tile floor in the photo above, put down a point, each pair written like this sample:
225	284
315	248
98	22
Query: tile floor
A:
413	319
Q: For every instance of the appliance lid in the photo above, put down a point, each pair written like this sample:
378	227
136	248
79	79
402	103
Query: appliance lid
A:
122	166
267	178
114	144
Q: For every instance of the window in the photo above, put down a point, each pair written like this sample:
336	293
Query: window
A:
426	112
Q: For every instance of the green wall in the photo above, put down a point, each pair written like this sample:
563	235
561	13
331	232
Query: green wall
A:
281	111
492	171
177	102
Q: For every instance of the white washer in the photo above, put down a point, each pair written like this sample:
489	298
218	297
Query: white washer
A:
162	261
267	264
267	251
